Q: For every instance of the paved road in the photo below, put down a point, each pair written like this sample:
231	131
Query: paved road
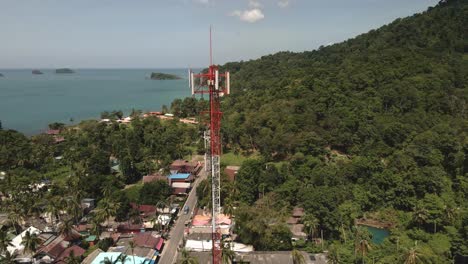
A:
169	253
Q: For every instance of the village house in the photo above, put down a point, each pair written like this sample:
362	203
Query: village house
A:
294	224
145	210
185	166
231	172
181	183
155	177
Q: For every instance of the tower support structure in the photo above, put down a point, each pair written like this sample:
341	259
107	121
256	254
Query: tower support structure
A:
216	85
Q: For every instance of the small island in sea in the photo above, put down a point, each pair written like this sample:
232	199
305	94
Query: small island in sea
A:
64	70
37	72
1	75
163	76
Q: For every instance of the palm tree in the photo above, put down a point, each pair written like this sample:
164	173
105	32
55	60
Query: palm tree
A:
15	217
132	246
297	257
227	254
72	259
450	213
363	248
187	259
73	207
420	215
35	209
53	208
228	208
107	209
8	258
122	258
4	241
311	223
361	242
108	261
96	226
413	255
333	257
30	242
107	190
66	229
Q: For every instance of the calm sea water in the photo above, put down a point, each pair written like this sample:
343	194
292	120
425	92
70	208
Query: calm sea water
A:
28	103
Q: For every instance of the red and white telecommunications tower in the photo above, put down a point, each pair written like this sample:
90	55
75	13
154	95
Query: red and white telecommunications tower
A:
215	84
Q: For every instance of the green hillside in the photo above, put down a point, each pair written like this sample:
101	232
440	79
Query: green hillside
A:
372	127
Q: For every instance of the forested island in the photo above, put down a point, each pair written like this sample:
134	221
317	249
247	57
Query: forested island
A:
64	70
370	132
36	72
163	76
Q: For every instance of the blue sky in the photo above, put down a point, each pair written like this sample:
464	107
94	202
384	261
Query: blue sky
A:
174	33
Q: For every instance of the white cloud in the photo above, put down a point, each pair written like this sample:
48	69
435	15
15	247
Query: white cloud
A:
203	2
283	3
251	16
254	4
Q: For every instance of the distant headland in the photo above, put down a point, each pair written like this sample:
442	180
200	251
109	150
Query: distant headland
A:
64	70
36	72
163	76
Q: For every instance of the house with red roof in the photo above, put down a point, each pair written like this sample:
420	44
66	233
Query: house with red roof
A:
53	132
76	250
52	247
231	172
185	166
126	228
148	240
155	177
144	209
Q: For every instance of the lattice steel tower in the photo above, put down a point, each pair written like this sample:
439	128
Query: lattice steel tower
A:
215	84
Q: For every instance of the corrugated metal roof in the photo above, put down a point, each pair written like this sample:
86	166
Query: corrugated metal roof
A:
184	185
179	176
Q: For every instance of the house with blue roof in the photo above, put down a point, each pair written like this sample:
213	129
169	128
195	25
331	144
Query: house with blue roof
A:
181	177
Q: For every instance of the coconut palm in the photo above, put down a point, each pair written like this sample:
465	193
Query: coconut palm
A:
227	254
53	208
107	190
333	257
123	258
451	213
420	215
107	209
187	259
297	257
73	207
8	258
35	208
412	255
108	261
228	208
4	241
15	217
72	259
66	229
132	246
311	223
361	243
96	226
30	242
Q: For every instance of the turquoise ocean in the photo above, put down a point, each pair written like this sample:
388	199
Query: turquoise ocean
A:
28	103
